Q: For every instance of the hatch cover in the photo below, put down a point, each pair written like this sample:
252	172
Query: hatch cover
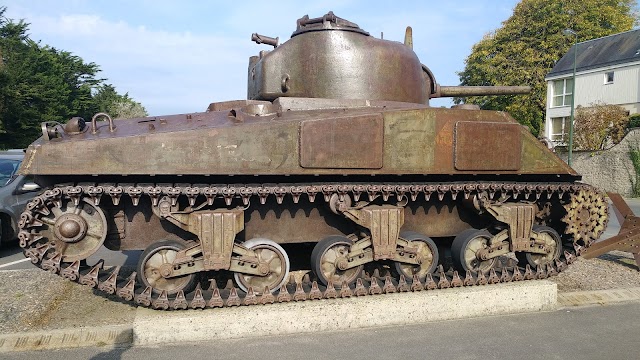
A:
353	142
488	146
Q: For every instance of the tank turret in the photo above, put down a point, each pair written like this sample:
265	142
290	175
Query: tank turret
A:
330	57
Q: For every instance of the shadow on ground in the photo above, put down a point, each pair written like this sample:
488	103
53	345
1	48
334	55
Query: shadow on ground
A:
124	341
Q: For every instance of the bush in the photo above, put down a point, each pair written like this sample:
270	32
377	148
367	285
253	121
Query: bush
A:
599	125
634	155
634	121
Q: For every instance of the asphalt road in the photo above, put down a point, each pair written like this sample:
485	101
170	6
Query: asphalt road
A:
602	332
11	257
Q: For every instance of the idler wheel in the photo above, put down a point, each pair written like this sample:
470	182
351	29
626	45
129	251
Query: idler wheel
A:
552	241
76	232
269	252
326	258
465	247
153	264
427	251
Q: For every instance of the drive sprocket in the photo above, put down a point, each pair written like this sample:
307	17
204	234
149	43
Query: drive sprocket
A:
587	216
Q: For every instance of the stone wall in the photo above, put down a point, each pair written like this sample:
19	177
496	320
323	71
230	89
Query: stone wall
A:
609	170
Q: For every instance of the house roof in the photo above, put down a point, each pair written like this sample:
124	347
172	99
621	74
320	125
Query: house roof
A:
605	51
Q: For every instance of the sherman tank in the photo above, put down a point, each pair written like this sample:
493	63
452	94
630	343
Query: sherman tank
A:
335	169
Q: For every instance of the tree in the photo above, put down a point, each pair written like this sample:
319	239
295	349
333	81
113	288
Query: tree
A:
128	109
119	106
599	125
41	83
529	43
12	40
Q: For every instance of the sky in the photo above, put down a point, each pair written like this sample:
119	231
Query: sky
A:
179	56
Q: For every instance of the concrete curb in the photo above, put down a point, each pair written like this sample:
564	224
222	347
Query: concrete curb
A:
115	335
598	297
158	327
151	327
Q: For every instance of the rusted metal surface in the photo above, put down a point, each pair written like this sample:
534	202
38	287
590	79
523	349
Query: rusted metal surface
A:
461	91
587	214
312	64
76	229
487	146
434	217
628	238
262	39
230	105
519	218
138	227
217	231
30	241
337	143
419	141
384	223
409	141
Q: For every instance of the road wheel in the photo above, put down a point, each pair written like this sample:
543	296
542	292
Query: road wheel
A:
274	255
427	251
151	261
464	249
325	258
552	240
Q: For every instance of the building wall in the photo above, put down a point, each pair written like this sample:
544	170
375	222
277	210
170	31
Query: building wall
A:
608	170
591	88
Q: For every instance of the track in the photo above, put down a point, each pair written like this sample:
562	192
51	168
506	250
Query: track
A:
586	218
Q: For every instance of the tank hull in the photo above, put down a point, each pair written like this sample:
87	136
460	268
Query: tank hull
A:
301	137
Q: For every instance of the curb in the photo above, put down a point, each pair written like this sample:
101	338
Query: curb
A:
150	327
114	335
598	297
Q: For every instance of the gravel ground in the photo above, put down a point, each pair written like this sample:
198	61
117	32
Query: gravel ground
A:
613	270
32	300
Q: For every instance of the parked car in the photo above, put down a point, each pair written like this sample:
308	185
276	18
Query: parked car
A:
15	192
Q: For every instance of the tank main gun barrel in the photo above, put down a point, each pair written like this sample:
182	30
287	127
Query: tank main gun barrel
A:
463	91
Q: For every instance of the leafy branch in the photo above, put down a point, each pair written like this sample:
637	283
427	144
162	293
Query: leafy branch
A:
634	155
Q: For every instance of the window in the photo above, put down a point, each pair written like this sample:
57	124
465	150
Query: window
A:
8	168
608	78
562	92
560	129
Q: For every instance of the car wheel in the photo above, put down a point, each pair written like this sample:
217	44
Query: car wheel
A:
6	231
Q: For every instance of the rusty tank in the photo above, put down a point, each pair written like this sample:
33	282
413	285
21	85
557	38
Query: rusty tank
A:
335	169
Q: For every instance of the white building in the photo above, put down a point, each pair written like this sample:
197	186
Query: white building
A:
607	71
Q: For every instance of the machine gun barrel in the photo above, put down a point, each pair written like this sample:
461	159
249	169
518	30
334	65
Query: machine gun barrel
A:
463	91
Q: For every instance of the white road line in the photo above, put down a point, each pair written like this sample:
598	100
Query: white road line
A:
14	262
